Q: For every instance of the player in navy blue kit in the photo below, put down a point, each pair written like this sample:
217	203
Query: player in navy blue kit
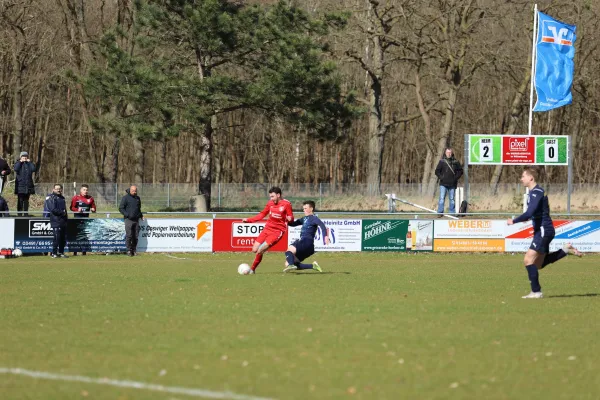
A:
305	246
538	211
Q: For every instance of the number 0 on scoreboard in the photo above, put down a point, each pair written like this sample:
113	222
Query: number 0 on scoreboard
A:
551	150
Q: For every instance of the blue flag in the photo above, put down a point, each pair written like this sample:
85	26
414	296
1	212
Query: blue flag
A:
554	63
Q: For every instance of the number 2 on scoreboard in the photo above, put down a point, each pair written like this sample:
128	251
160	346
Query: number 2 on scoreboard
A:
486	152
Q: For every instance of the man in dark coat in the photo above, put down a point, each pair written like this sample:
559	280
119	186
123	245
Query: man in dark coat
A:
131	208
3	208
24	186
4	172
449	172
57	209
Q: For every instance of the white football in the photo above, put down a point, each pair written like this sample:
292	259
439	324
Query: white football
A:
18	252
244	269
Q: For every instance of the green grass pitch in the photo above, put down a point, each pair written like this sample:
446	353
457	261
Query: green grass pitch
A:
371	326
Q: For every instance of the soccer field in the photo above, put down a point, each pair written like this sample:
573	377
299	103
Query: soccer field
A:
371	326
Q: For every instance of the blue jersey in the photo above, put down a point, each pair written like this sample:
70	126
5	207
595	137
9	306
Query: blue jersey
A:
538	210
310	224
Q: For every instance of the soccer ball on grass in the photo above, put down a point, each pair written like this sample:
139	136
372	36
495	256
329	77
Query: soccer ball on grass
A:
17	252
244	269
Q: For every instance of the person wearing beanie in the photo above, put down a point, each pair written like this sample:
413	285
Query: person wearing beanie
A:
24	185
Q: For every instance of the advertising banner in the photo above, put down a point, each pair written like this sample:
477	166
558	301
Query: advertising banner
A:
552	150
469	235
469	245
96	234
175	235
420	235
345	235
518	150
384	235
469	228
235	235
7	237
585	235
485	149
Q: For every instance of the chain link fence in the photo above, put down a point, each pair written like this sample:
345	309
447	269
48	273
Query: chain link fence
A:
328	197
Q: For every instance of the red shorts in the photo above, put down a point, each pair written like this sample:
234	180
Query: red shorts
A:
270	236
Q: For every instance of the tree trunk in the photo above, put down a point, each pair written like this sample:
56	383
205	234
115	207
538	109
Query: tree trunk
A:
114	173
445	131
42	146
139	154
164	166
516	110
18	108
189	167
377	130
206	158
377	133
427	169
296	157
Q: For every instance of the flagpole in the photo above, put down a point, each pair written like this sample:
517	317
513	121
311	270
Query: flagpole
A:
533	54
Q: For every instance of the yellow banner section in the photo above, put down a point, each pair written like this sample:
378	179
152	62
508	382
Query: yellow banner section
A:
475	245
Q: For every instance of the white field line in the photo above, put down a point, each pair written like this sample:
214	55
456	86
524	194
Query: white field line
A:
177	258
207	394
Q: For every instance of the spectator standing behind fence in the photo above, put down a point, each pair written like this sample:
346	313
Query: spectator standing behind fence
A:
4	172
449	172
3	207
24	186
131	208
82	204
57	209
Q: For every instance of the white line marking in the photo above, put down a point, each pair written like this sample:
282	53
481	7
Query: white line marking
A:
177	258
207	394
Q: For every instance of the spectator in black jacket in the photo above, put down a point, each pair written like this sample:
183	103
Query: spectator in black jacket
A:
131	208
3	208
24	186
449	172
4	172
57	208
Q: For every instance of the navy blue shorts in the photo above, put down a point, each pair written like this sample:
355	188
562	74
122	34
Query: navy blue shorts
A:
304	248
541	241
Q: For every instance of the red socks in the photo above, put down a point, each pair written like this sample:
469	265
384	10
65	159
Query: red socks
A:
257	261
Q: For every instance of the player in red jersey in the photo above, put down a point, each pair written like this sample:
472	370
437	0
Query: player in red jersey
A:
82	205
280	213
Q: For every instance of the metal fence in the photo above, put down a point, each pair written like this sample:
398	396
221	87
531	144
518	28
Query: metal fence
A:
328	197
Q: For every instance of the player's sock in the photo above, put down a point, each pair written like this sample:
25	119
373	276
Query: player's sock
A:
257	261
304	266
289	257
553	257
534	278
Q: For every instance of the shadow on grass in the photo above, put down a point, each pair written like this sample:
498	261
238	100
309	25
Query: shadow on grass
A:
308	272
320	273
575	295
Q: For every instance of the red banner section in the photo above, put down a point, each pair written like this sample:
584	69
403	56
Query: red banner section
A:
234	235
527	232
518	150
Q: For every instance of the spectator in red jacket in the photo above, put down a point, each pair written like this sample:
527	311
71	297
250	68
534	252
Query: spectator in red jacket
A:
82	204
